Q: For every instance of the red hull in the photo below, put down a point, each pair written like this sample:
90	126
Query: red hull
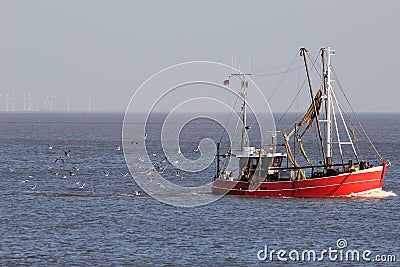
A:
334	186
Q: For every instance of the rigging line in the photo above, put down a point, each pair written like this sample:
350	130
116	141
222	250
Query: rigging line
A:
362	136
230	116
356	116
272	68
310	57
277	86
282	78
276	73
230	147
298	92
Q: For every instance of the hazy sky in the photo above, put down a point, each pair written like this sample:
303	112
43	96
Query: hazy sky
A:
109	48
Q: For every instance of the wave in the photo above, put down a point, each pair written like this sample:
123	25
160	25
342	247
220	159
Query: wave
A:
375	193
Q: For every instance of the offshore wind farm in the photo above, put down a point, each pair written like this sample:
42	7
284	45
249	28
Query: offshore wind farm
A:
25	100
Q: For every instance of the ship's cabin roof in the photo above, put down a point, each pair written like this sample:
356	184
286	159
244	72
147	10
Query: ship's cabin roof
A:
252	152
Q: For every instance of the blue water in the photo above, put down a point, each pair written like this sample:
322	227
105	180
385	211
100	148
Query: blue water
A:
46	219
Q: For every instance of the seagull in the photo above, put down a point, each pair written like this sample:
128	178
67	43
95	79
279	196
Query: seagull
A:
33	187
163	160
126	174
179	151
176	173
49	146
24	181
79	187
145	136
163	170
106	173
118	148
76	168
137	193
71	173
64	176
82	186
197	149
67	153
154	154
30	176
59	159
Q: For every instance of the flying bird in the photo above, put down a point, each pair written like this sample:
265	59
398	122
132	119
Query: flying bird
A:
59	159
67	153
163	160
82	186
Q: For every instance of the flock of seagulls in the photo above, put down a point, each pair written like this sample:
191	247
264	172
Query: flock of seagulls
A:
62	169
161	165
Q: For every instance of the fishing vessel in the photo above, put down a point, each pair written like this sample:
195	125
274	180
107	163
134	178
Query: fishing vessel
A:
285	169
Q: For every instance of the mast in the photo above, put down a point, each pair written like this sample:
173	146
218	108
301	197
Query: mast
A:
303	52
328	102
244	85
243	88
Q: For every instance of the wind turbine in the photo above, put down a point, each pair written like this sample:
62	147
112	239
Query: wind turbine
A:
13	98
51	102
7	98
46	101
24	101
90	102
68	101
29	101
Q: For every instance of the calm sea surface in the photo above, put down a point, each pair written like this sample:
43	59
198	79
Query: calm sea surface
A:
50	218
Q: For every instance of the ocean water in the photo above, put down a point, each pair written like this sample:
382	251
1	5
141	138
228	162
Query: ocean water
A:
93	218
